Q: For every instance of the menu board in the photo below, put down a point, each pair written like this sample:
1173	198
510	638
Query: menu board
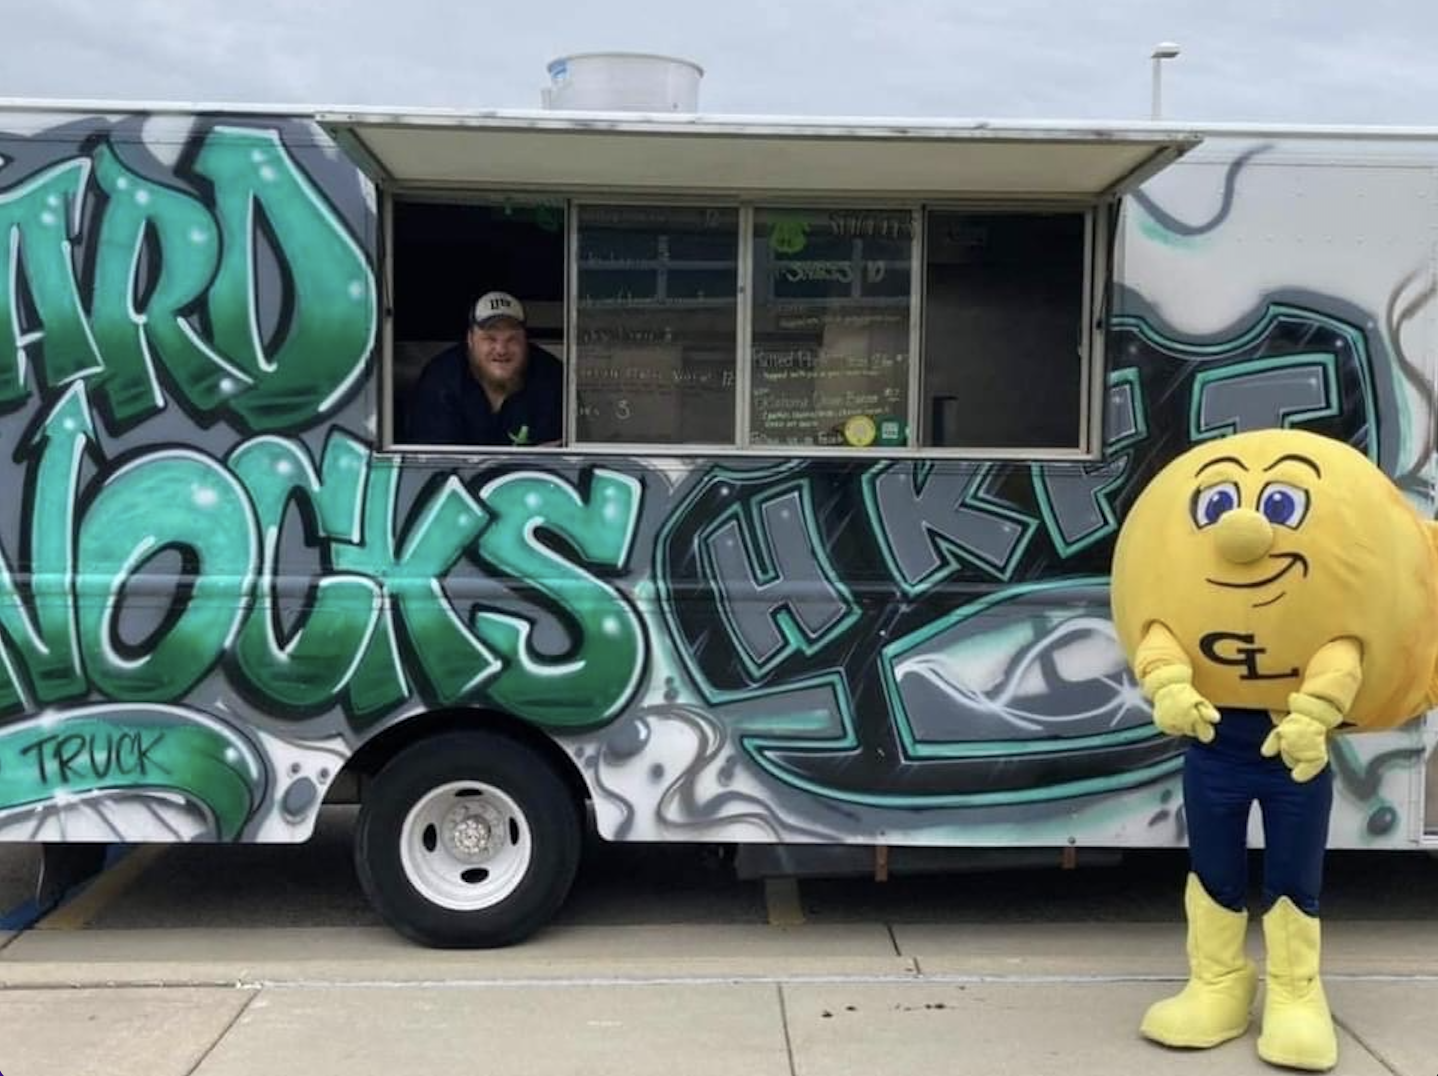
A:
831	327
839	255
847	391
656	323
657	255
641	393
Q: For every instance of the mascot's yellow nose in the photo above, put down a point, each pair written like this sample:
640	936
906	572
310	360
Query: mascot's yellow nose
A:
1243	536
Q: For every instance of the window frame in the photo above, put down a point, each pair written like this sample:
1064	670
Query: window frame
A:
916	208
384	432
387	196
1099	259
571	328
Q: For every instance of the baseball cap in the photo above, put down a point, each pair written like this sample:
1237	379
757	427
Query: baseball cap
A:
496	304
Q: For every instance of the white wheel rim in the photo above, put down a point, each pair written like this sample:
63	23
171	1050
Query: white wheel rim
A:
466	845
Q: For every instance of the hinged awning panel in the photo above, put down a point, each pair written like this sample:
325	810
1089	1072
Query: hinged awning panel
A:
579	152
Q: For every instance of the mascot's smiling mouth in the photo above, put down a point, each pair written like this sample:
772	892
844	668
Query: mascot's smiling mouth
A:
1293	559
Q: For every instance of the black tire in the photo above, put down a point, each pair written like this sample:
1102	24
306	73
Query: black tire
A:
538	845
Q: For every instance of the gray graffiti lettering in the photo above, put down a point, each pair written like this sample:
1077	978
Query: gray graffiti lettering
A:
1075	499
921	511
1123	420
761	605
1262	399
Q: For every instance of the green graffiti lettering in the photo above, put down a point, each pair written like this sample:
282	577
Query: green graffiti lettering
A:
174	752
321	350
594	684
36	220
311	668
188	244
163	261
453	661
48	645
176	568
172	500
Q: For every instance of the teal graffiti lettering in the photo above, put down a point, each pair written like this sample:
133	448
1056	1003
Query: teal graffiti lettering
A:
412	573
310	668
47	643
172	500
166	263
175	569
319	353
178	754
38	221
593	684
132	340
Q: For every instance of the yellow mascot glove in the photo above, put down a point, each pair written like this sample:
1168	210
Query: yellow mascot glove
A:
1178	708
1301	738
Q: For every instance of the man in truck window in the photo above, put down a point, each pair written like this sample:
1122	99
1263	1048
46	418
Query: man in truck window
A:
493	388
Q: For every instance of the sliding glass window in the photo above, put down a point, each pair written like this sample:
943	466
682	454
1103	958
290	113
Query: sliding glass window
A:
655	324
831	327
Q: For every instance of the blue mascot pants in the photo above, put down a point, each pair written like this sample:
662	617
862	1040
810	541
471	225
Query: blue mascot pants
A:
1221	780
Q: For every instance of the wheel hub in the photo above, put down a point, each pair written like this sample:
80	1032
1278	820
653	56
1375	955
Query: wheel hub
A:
466	845
469	833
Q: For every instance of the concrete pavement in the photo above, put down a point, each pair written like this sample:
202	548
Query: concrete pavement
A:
812	999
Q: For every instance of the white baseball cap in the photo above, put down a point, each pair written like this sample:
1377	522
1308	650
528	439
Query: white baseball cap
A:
496	304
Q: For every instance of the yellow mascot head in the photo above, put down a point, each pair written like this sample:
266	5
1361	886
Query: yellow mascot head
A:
1255	550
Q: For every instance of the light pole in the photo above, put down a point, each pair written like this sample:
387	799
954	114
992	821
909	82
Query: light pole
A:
1164	50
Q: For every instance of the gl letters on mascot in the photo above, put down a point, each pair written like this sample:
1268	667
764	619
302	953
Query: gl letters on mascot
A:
1271	589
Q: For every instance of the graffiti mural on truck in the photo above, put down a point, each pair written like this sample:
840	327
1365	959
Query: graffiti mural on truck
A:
214	587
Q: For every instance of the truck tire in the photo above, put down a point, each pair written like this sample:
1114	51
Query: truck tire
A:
467	840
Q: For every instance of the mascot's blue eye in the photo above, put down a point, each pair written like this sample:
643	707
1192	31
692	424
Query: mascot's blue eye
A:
1283	505
1210	503
1278	506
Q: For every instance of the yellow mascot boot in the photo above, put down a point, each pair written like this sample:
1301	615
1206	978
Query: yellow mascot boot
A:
1297	1026
1214	1006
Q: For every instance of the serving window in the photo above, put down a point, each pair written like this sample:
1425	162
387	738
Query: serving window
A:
655	324
773	327
831	327
445	254
1004	341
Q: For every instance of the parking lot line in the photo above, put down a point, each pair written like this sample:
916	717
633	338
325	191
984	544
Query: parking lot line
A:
20	917
76	913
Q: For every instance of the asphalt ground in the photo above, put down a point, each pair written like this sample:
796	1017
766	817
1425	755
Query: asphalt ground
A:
314	885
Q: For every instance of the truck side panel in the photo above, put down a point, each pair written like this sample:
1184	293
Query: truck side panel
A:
215	587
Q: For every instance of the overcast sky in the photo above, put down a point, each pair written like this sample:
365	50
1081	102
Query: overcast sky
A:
1314	61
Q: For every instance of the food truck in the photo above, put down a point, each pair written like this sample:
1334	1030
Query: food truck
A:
852	409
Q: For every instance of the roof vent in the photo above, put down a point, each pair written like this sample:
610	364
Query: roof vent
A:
622	82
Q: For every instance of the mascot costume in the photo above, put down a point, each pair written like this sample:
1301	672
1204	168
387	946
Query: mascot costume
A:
1270	589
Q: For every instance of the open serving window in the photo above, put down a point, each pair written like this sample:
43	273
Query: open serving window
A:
772	286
